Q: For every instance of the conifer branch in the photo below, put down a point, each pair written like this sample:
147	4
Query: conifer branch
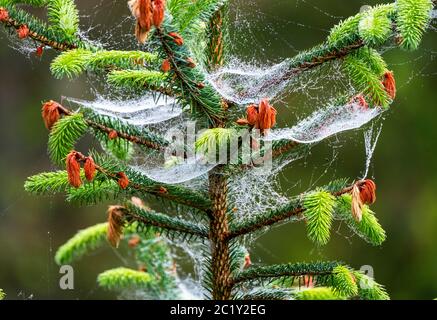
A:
39	31
144	138
293	209
141	183
162	222
285	270
202	98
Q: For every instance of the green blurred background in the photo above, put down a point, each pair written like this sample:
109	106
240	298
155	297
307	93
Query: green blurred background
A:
404	168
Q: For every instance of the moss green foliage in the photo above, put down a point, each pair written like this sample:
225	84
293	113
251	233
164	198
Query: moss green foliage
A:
124	278
343	282
96	192
318	293
2	294
63	136
63	15
82	243
72	63
413	18
368	228
319	207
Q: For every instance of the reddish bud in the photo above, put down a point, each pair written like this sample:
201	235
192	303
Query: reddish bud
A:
166	66
389	84
247	261
23	31
191	63
134	241
308	281
112	135
39	51
115	224
162	190
363	192
90	169
176	38
123	180
267	115
50	113
158	12
252	114
4	15
360	101
73	169
368	192
142	11
200	85
145	14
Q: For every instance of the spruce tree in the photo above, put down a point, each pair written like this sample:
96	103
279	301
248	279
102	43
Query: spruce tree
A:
183	42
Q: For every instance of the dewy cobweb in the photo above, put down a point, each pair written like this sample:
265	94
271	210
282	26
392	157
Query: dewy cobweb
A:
139	112
325	123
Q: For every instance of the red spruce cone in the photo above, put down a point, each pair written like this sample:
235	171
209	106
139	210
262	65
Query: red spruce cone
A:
90	169
23	31
142	11
176	38
252	114
134	241
50	113
267	115
165	67
73	169
363	192
158	12
191	63
112	135
4	14
123	180
389	84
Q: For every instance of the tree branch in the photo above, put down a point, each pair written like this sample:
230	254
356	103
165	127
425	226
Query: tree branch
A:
285	270
162	221
143	184
123	135
293	209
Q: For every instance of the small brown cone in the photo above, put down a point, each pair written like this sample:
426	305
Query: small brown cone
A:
4	15
158	12
191	63
23	31
166	66
115	224
389	84
90	169
73	170
123	180
134	241
252	115
368	192
112	135
50	113
247	261
176	38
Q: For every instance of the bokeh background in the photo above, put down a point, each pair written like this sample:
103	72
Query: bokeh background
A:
32	228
